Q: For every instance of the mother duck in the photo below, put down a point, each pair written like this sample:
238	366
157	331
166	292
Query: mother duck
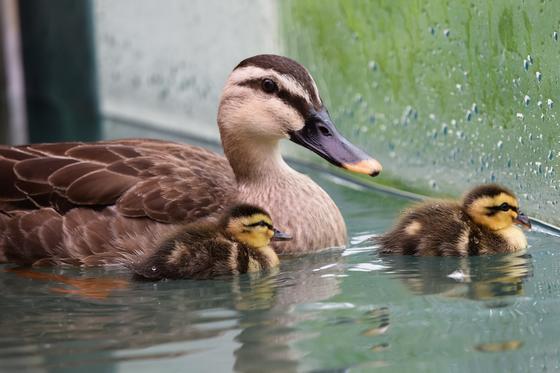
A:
103	201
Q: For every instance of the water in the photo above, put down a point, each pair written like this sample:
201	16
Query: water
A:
327	312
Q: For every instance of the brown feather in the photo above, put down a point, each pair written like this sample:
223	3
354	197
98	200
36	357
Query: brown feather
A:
101	187
63	177
14	153
8	189
51	149
39	169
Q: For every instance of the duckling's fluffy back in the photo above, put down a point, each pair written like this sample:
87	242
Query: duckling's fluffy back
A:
195	251
431	228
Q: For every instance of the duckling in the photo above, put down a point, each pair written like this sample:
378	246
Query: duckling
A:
87	197
484	222
237	243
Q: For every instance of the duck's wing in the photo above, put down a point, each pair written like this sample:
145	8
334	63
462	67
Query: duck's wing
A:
165	181
93	202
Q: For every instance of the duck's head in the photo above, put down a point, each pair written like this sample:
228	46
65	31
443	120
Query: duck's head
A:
269	97
494	207
252	226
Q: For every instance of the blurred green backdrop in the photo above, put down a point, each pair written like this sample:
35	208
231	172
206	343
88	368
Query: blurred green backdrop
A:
445	93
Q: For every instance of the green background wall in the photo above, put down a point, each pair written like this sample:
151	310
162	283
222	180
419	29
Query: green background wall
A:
444	93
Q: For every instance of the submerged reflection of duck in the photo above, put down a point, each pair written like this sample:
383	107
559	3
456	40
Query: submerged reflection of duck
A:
478	278
484	222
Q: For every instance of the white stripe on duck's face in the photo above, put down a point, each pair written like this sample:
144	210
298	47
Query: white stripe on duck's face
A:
247	109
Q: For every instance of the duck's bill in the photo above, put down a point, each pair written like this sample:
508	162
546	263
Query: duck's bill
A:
280	236
320	136
523	220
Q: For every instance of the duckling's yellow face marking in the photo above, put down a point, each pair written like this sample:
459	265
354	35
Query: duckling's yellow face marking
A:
254	231
494	212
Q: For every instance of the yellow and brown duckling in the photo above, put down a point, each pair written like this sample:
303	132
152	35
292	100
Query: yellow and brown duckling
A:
484	222
237	243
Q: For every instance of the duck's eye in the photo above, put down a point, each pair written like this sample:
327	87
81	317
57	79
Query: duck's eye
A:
269	86
504	207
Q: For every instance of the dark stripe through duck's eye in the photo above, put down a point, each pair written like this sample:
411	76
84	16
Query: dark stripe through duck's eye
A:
261	223
269	86
504	207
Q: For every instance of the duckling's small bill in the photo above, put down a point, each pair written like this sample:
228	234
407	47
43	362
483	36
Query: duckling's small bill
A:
280	236
523	221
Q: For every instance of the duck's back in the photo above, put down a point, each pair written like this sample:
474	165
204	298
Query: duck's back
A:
433	228
85	200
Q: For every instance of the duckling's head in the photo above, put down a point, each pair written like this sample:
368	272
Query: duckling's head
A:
251	226
494	207
268	98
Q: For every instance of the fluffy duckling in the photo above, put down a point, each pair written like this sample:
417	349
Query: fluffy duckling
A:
237	243
483	223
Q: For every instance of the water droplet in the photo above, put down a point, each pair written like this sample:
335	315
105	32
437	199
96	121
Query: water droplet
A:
526	65
526	100
432	116
431	30
555	36
446	32
468	116
372	119
530	59
474	108
550	155
444	129
459	87
550	103
539	104
519	116
433	184
372	65
500	144
538	75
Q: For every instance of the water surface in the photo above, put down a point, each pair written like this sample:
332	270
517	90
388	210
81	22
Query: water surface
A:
333	311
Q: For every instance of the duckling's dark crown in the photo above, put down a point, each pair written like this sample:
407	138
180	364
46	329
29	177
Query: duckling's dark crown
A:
244	209
282	65
486	190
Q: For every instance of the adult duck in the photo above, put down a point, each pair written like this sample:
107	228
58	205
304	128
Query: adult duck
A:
115	195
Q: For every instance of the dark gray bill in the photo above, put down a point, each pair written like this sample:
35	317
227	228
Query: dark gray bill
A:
280	236
523	220
320	136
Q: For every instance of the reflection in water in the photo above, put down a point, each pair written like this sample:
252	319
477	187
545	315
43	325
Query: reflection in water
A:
72	329
499	347
87	287
268	335
478	278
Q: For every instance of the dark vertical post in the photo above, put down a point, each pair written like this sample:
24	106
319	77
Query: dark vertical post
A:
59	68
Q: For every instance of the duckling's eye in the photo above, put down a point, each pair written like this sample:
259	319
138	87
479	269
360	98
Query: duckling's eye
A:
269	86
504	207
